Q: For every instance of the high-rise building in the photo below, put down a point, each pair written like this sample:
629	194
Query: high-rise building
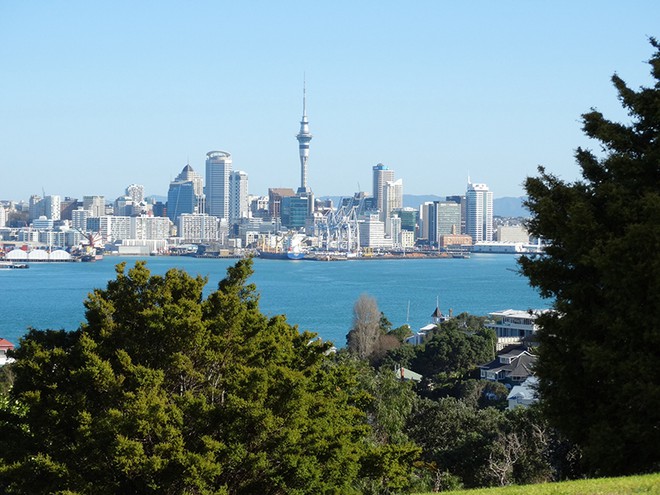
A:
479	212
275	195
239	206
303	137
95	205
135	192
218	170
447	219
52	207
392	198
186	194
463	202
381	176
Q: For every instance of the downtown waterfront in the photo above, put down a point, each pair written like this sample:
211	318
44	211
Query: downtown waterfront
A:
316	296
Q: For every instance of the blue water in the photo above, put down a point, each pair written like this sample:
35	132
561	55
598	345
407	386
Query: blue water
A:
316	296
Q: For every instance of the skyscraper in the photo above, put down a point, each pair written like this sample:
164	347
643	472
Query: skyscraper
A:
238	194
381	176
135	192
479	212
392	197
218	169
303	137
185	194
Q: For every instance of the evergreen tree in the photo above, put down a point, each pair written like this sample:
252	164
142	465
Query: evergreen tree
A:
163	391
599	355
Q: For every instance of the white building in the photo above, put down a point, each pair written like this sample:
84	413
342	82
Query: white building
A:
150	228
218	170
479	212
135	192
198	227
393	197
372	233
52	207
512	233
3	216
512	326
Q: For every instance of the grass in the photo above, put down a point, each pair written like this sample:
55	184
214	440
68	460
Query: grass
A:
647	485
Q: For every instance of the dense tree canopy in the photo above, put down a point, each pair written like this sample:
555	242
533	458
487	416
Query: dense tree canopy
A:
599	358
165	391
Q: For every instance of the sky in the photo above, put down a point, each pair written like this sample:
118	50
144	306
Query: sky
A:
97	95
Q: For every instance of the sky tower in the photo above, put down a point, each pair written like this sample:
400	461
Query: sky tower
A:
304	137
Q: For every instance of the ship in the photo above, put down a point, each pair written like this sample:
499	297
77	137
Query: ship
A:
286	247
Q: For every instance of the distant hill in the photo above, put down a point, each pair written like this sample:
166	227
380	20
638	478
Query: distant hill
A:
502	207
510	207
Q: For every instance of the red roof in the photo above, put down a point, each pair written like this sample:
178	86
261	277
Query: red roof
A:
5	344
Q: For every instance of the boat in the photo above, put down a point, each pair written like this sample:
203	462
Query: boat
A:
11	265
291	248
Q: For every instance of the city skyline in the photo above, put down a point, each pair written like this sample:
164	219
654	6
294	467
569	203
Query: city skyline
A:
104	97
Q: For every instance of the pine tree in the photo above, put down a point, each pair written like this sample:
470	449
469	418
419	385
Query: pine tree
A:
599	355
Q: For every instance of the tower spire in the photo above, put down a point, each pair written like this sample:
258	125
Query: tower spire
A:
304	137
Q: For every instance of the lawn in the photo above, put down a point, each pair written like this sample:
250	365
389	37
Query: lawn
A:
648	485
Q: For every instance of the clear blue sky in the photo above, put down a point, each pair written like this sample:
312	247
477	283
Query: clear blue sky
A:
95	95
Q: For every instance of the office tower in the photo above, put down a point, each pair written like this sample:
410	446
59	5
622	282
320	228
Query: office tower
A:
79	219
392	198
239	206
52	207
3	216
447	218
35	207
479	212
185	194
218	170
275	195
303	137
381	176
95	204
463	202
135	192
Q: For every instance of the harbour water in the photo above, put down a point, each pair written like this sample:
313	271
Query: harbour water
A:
316	296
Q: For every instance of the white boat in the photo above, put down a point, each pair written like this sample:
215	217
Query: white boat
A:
12	265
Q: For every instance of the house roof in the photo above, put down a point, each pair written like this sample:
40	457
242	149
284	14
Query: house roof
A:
5	344
520	367
525	391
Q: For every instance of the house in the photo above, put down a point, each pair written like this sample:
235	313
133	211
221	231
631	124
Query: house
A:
523	394
512	366
436	319
514	327
5	346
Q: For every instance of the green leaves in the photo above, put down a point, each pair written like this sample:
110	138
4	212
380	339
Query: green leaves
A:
163	391
603	270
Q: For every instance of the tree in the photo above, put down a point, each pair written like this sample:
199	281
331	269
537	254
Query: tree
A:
366	330
599	354
455	348
163	391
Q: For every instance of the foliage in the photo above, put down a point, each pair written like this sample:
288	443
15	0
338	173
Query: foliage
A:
455	348
457	438
163	391
599	355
